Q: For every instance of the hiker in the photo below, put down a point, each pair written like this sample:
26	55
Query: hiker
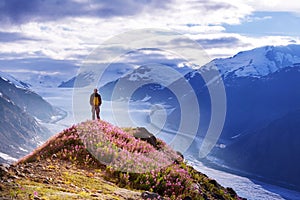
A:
95	102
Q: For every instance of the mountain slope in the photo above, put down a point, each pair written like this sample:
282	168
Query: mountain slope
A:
72	171
256	101
21	109
27	100
271	152
19	132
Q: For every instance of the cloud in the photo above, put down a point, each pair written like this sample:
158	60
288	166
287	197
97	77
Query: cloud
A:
28	71
167	11
70	30
14	37
222	42
37	64
216	41
274	5
209	5
20	11
207	12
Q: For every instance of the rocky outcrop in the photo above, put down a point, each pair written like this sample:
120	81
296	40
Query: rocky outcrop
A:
143	134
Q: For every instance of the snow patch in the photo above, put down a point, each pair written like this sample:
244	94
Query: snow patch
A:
221	146
235	136
4	78
147	98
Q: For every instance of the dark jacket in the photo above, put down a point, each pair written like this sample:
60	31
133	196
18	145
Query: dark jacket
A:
95	95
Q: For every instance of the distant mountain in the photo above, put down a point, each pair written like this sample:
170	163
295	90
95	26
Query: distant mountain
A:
253	99
149	85
116	71
257	99
149	78
19	132
27	100
38	80
86	78
82	80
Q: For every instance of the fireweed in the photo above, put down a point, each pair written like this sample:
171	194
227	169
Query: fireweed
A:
122	151
130	162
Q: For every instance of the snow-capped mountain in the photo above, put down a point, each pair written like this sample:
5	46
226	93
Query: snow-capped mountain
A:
258	62
103	73
259	130
44	81
153	77
82	79
14	81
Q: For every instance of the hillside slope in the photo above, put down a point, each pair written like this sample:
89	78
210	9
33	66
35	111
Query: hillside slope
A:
27	100
275	145
19	132
63	168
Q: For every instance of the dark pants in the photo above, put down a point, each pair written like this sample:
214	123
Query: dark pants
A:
95	109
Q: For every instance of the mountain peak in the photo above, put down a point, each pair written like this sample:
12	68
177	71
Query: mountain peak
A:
63	167
258	62
12	80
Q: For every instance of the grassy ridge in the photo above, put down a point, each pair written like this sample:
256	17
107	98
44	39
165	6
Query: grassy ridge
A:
95	159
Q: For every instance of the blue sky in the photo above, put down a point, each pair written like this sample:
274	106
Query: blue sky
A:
69	30
268	23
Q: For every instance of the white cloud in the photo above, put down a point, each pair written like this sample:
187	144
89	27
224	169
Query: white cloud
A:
32	72
274	5
72	38
222	44
69	37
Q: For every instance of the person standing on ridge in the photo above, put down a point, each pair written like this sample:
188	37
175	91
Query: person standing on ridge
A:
95	102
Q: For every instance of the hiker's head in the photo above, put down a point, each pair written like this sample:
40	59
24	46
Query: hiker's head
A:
95	90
